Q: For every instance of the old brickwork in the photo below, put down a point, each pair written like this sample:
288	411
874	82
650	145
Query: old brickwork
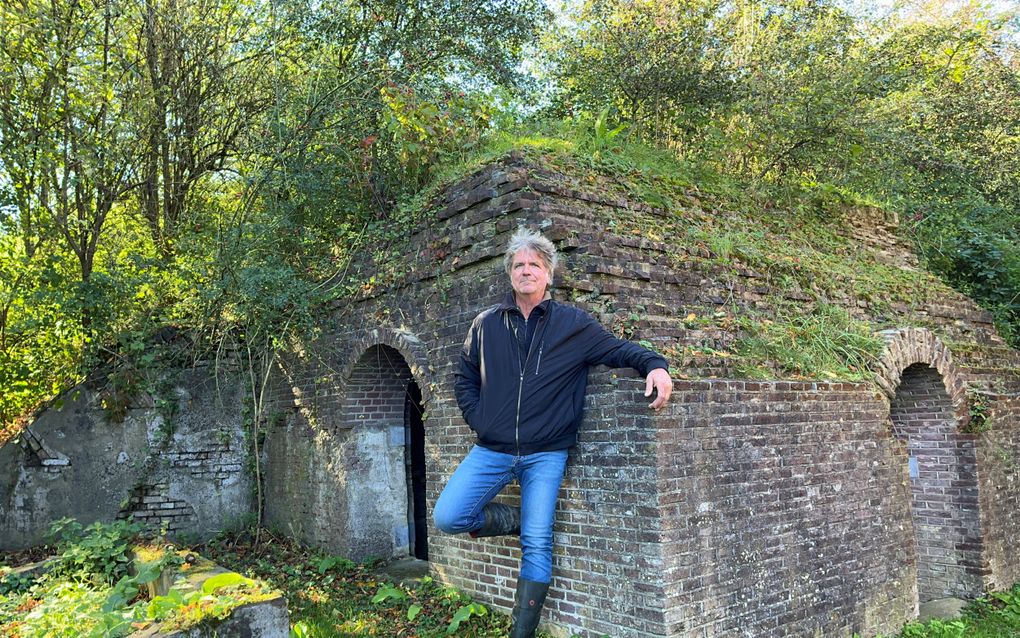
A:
785	508
759	507
998	454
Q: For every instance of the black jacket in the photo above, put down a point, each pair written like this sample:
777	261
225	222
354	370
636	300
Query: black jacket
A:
535	405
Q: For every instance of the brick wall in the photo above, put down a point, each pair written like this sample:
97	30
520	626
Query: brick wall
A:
152	506
784	510
376	389
751	508
999	473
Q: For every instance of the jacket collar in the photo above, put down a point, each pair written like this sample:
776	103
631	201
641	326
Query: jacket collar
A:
510	303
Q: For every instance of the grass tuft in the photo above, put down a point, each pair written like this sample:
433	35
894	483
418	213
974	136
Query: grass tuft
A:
827	342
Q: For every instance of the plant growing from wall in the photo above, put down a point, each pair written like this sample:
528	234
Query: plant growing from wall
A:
979	412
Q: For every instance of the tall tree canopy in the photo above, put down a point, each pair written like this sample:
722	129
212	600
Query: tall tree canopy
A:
204	162
213	164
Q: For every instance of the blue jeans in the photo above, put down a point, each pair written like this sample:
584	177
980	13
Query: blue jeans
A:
481	475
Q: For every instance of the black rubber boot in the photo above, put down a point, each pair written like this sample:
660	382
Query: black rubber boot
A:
527	607
500	520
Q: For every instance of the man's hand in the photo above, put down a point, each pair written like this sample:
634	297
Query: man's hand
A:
663	385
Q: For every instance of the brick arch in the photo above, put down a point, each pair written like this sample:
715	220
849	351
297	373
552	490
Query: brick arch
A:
407	344
385	387
906	347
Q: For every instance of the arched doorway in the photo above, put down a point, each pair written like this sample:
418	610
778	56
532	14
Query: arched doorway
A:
943	479
385	457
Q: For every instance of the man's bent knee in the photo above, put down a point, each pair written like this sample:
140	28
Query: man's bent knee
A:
452	521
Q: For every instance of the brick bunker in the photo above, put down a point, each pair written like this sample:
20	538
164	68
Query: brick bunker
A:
748	507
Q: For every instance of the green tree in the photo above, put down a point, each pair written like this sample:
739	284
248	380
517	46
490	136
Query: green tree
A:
204	85
806	77
659	65
66	126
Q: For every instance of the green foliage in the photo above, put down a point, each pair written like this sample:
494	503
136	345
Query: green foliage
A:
100	550
387	592
603	136
425	133
390	595
87	591
935	629
228	579
993	616
219	167
657	63
811	106
978	251
215	166
464	613
301	629
354	601
179	610
73	609
332	562
11	583
979	412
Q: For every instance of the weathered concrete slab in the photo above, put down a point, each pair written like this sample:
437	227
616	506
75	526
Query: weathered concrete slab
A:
176	460
263	619
942	609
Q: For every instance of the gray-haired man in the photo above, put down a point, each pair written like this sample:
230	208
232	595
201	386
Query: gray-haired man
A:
521	385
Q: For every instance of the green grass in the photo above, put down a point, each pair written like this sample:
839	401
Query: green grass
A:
328	596
996	615
793	237
825	342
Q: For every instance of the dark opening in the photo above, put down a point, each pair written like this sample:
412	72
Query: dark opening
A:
414	435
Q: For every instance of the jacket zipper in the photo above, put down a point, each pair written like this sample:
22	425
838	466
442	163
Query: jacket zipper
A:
517	424
520	386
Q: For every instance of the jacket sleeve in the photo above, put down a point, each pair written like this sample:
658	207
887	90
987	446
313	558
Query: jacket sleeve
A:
605	349
468	384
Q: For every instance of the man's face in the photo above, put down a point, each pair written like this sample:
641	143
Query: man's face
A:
528	274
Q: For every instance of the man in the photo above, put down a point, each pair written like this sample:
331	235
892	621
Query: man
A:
521	386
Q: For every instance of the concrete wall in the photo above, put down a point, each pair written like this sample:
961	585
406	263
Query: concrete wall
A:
336	477
184	468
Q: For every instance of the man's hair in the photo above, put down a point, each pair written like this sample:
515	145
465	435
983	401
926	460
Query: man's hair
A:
533	241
